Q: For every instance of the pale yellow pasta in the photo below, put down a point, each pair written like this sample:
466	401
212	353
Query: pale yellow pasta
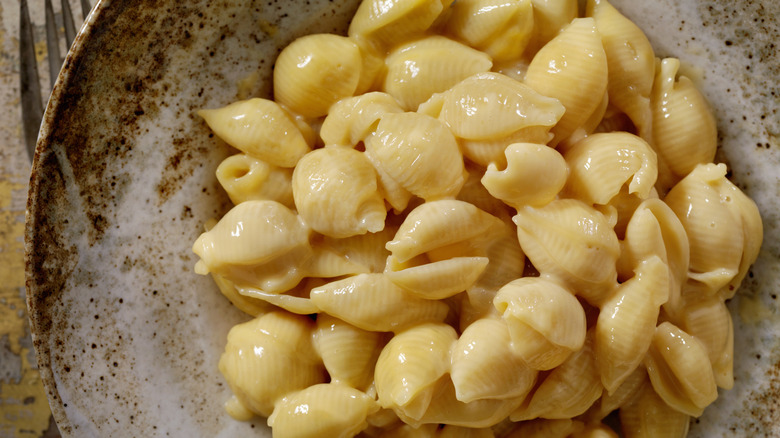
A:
684	130
623	395
500	28
573	69
708	320
572	241
680	371
410	365
627	320
437	280
248	305
418	69
601	164
351	120
389	22
546	322
386	201
253	235
446	408
442	225
654	230
550	17
316	71
484	366
349	353
373	302
366	250
336	193
534	175
493	106
269	357
327	409
631	64
567	391
648	416
433	261
723	226
259	128
419	153
246	178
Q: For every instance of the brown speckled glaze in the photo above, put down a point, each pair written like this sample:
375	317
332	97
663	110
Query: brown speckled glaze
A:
128	338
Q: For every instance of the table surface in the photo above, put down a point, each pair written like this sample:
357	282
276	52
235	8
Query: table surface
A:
24	409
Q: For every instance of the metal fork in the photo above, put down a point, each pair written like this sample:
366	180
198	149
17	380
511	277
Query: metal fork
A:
32	101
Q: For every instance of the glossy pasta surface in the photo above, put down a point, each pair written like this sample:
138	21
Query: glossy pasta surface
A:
480	218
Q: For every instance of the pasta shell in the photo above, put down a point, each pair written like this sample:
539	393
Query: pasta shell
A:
572	68
406	431
649	416
550	17
500	28
623	395
419	153
373	57
626	323
439	280
533	176
684	129
572	241
630	61
247	305
365	250
595	431
600	164
252	234
246	178
487	152
423	229
674	364
410	364
316	71
326	409
259	355
349	353
709	321
492	106
485	367
709	221
474	192
546	322
293	301
393	192
419	69
568	391
392	22
373	302
335	191
351	120
259	128
445	408
654	230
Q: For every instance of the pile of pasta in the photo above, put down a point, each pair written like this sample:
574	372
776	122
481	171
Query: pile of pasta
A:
473	219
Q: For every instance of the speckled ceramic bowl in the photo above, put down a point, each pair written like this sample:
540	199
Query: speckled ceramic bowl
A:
128	337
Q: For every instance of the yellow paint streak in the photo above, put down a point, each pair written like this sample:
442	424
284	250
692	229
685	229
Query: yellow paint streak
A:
24	406
24	410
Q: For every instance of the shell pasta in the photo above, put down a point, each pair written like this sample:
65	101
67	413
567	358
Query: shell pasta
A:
477	218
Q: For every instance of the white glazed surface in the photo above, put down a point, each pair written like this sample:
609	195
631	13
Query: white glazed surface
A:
128	338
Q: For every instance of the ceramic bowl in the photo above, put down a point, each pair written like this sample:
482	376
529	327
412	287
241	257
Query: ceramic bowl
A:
128	337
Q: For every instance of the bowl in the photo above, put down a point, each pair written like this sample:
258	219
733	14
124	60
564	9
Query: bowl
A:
128	337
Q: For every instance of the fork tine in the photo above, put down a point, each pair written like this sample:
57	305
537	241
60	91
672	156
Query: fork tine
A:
67	22
52	44
85	8
32	108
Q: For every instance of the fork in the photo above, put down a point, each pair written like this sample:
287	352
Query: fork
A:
32	102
